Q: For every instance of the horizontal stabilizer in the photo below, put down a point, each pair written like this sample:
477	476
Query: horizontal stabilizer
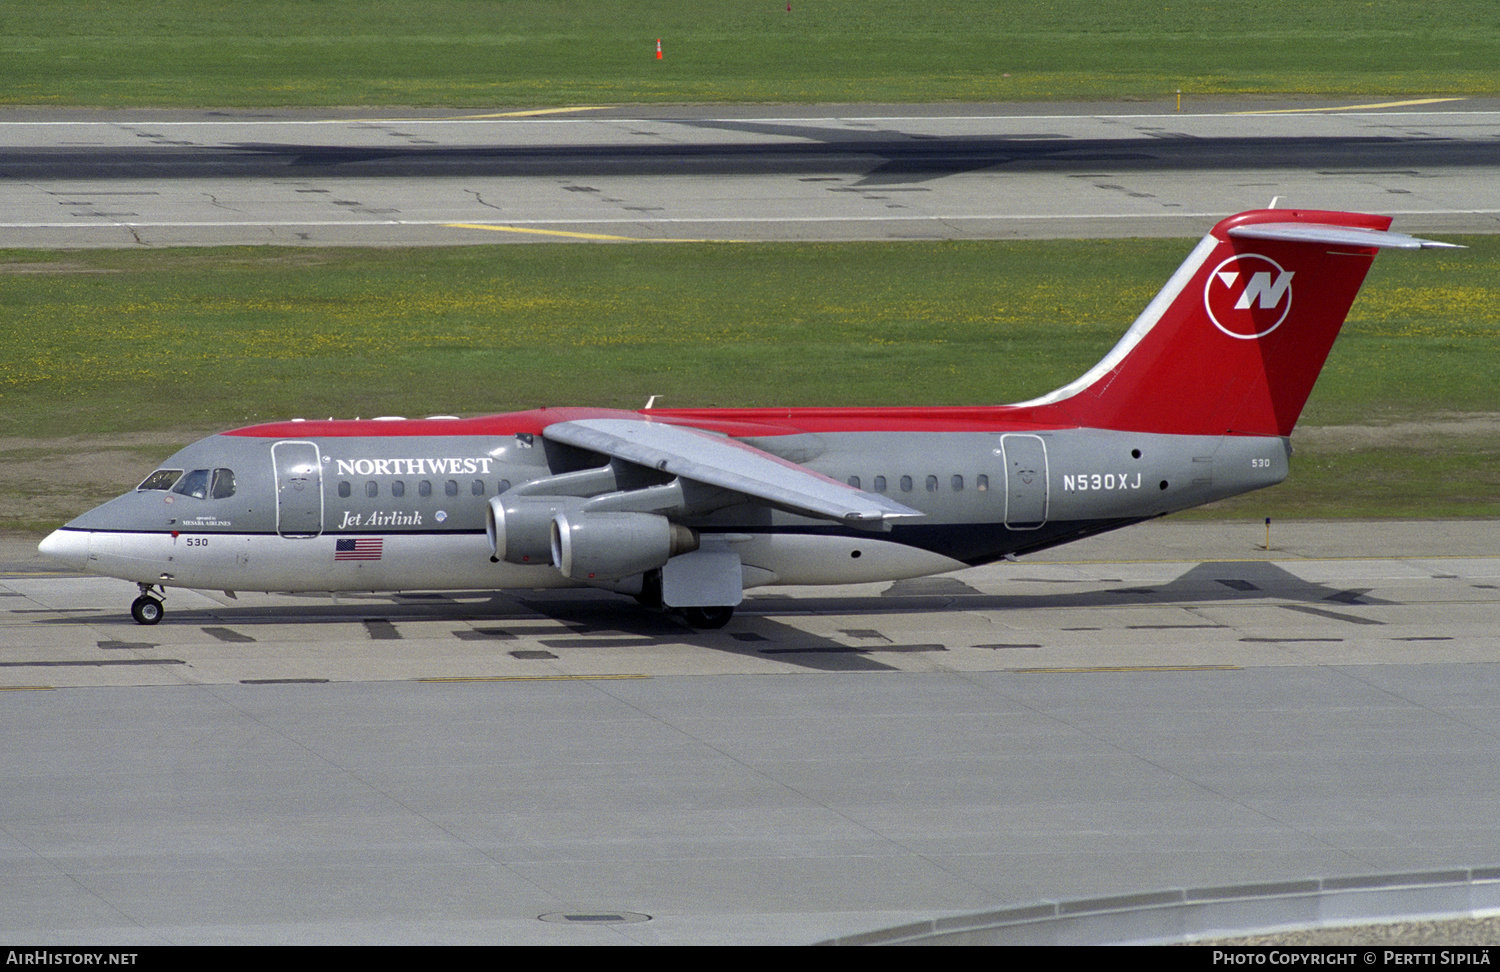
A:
1325	233
727	464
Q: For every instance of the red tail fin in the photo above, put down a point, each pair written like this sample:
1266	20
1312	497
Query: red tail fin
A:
1236	338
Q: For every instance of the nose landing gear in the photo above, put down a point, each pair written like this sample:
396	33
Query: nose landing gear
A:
147	608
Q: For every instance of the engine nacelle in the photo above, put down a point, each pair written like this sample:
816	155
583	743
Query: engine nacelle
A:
520	528
608	546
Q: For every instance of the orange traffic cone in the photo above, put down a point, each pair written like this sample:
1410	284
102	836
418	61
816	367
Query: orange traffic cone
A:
658	48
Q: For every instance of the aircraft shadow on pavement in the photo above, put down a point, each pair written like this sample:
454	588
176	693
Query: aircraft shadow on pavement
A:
587	619
1209	582
583	619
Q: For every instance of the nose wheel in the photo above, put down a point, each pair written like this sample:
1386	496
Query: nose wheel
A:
147	608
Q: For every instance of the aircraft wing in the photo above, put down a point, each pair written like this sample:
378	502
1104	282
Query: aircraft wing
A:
723	462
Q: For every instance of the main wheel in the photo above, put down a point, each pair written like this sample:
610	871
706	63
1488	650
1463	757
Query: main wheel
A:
708	617
146	610
650	595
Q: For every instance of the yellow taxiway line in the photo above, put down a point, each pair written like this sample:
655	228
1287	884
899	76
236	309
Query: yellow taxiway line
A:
529	678
565	233
541	232
1387	104
529	113
1125	668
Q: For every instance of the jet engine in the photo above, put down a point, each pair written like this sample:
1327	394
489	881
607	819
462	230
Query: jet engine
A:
520	528
596	546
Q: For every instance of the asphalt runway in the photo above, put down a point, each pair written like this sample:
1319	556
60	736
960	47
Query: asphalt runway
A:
1167	706
121	179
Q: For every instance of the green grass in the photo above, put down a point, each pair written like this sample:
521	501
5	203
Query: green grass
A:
122	342
558	52
1444	477
128	340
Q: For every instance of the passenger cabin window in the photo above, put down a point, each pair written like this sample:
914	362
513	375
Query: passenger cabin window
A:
982	483
477	487
854	481
372	489
398	488
344	489
424	488
451	487
879	484
958	484
906	484
932	484
161	479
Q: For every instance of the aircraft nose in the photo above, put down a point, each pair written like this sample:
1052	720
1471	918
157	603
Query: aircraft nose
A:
68	547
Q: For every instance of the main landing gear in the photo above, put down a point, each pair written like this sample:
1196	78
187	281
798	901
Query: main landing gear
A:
707	617
147	608
697	617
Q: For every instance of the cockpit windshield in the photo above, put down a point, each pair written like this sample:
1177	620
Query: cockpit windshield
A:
161	479
194	484
205	484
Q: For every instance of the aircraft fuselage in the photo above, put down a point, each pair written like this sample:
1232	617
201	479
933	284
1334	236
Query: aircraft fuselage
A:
366	510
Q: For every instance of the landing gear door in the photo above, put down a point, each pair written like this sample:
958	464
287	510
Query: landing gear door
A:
708	577
299	489
1025	481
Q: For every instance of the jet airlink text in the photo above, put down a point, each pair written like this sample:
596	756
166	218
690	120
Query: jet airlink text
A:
414	467
413	518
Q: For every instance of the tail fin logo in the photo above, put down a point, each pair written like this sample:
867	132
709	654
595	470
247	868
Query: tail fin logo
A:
1248	296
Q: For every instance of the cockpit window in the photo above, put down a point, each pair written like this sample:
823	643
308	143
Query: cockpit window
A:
194	484
205	483
161	479
223	486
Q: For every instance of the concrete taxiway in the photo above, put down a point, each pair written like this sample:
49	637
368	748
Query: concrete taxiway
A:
565	768
1161	594
92	179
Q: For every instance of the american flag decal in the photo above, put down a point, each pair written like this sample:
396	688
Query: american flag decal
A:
361	549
